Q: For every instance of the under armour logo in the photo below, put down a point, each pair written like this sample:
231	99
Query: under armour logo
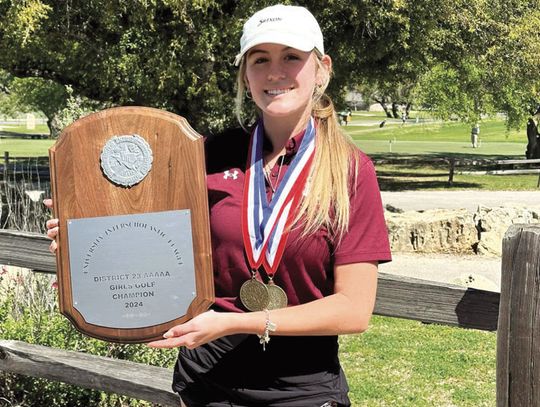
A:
227	174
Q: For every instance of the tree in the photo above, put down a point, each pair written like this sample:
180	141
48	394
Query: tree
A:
489	66
177	54
57	102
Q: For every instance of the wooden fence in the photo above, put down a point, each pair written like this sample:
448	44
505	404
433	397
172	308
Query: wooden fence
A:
477	166
38	167
28	168
514	312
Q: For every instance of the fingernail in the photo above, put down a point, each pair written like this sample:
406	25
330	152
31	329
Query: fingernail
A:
167	335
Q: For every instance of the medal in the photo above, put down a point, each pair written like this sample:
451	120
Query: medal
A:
277	297
254	294
266	225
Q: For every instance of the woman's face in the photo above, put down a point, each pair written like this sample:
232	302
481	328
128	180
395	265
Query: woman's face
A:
282	79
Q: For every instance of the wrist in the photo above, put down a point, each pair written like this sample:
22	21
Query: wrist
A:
245	322
269	327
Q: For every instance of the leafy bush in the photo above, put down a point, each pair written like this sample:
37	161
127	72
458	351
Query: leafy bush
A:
28	313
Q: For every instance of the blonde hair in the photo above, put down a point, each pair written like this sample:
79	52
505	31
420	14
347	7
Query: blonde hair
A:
334	168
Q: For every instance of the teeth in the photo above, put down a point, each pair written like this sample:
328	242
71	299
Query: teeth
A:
274	92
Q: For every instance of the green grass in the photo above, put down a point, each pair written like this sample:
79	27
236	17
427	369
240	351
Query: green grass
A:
22	147
435	137
11	128
491	130
409	364
424	177
441	148
25	147
431	139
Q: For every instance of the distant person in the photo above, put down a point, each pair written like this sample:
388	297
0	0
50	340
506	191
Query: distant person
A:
475	132
348	117
403	118
533	145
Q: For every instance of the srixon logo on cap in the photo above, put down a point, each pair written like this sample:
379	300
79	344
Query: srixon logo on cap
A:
269	19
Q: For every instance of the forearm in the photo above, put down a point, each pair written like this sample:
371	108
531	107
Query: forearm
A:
332	315
346	311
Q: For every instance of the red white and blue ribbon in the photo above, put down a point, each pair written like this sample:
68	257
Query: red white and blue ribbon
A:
265	225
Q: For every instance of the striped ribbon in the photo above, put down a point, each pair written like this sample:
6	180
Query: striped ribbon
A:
265	225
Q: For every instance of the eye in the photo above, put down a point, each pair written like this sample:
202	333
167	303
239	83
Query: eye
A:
292	57
257	59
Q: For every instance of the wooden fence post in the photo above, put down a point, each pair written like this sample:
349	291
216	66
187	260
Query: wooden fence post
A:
518	335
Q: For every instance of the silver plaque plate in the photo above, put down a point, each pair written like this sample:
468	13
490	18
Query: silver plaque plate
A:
132	271
126	160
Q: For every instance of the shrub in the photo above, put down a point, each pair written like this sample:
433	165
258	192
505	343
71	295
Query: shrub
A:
28	313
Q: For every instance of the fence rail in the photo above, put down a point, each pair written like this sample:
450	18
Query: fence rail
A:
132	379
398	296
29	168
478	166
514	313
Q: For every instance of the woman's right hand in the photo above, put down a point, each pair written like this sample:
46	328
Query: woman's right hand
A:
52	227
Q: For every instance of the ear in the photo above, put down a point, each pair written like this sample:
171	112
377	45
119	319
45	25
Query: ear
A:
326	64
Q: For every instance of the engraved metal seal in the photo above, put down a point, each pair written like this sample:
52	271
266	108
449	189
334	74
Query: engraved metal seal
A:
126	160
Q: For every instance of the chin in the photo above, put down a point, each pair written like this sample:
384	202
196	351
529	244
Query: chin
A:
283	111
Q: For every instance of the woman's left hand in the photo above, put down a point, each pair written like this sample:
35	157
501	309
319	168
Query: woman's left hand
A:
202	329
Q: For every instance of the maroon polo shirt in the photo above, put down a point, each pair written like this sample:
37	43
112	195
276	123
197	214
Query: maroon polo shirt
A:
306	268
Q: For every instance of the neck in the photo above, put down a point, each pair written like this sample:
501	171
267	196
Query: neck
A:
280	130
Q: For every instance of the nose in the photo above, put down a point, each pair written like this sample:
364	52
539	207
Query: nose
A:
276	71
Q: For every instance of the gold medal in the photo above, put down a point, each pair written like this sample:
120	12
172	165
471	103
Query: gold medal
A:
277	297
254	295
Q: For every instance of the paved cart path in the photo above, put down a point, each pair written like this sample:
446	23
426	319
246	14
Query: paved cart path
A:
469	199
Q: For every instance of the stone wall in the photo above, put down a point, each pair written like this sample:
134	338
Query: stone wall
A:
455	231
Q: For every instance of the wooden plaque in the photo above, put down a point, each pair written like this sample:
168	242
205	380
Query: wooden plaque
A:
129	190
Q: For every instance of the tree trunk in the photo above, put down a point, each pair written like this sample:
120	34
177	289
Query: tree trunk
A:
408	108
54	127
382	102
50	126
395	110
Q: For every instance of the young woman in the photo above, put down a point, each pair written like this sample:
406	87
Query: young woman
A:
297	233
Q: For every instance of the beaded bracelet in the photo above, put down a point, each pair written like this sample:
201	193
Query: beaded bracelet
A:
269	326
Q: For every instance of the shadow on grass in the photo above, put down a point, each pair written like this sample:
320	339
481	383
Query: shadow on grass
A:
13	134
421	171
403	184
402	174
435	156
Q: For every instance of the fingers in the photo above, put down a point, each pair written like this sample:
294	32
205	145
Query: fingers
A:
189	341
52	233
52	227
51	223
166	343
177	330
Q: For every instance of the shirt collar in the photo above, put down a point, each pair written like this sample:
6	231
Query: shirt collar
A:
292	146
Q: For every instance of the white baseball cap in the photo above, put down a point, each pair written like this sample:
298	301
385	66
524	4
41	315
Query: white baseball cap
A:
292	26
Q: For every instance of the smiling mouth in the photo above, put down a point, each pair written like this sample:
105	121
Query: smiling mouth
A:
275	92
